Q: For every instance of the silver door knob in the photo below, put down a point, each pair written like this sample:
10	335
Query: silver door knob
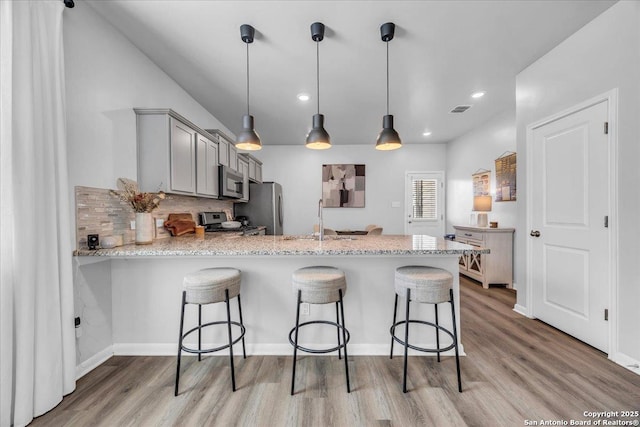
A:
535	233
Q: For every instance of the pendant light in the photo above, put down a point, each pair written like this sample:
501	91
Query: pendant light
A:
318	138
388	138
248	139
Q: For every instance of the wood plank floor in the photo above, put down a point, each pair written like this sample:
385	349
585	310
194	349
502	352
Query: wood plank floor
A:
516	369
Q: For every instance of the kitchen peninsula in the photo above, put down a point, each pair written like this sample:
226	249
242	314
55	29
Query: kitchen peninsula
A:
146	284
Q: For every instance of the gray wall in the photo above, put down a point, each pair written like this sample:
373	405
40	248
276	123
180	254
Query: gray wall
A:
299	170
603	55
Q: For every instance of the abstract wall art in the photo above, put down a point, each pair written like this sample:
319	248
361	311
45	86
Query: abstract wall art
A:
343	186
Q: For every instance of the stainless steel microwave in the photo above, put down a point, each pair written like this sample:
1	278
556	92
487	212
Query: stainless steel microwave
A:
231	183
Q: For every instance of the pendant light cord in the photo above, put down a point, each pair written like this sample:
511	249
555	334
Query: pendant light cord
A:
387	43
318	75
248	79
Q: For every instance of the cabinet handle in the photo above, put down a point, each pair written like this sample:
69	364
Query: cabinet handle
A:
535	233
468	235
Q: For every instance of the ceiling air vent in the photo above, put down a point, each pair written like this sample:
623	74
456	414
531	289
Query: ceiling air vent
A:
460	109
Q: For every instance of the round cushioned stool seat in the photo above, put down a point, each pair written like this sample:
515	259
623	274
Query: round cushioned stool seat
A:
428	284
319	284
208	285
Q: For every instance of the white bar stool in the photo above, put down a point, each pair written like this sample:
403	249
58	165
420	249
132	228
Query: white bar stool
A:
209	286
427	285
320	285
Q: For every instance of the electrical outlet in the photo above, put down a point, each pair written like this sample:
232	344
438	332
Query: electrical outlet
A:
304	308
133	225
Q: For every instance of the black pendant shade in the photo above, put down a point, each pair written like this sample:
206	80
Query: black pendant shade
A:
388	138
318	138
248	139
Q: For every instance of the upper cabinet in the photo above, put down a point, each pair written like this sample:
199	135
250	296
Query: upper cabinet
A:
255	167
206	167
243	168
182	158
174	155
228	153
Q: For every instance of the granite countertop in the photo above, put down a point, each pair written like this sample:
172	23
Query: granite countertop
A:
234	245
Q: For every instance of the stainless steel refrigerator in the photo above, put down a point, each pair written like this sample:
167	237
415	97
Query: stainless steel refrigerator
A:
264	206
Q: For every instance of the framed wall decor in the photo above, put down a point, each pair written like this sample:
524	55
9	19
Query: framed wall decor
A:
343	186
481	182
506	177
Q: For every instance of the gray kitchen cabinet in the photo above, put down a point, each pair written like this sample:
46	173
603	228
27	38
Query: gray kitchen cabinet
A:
493	268
255	169
206	167
167	154
223	154
233	158
243	167
259	172
227	151
182	157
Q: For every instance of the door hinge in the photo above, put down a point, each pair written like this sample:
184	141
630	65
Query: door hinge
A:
606	314
606	128
606	221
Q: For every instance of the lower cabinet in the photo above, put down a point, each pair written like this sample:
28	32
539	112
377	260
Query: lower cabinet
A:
493	268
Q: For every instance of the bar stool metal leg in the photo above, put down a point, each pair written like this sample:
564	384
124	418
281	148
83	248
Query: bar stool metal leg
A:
437	331
295	341
244	352
406	343
184	296
455	339
344	340
395	312
338	329
199	331
233	374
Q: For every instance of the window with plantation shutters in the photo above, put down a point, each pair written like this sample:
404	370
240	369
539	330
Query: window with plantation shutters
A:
424	203
425	199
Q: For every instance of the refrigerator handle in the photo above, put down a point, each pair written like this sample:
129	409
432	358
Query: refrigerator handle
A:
280	209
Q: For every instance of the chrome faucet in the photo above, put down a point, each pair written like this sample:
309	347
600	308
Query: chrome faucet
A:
320	225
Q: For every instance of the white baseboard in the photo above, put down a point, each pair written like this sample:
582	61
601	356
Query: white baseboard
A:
627	362
93	362
520	309
153	349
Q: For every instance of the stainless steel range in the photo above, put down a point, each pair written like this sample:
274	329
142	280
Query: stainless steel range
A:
212	221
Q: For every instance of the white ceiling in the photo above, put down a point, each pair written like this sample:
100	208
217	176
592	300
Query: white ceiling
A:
442	52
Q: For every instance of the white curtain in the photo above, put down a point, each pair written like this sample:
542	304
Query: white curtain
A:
37	342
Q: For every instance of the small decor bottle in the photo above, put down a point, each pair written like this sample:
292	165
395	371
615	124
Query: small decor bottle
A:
144	228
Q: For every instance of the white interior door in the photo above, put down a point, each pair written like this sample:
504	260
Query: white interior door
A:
424	203
569	237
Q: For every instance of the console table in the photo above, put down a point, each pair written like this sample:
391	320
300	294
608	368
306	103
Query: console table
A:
489	269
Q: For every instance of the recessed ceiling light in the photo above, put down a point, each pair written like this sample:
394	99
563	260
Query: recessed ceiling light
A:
426	133
303	97
478	94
